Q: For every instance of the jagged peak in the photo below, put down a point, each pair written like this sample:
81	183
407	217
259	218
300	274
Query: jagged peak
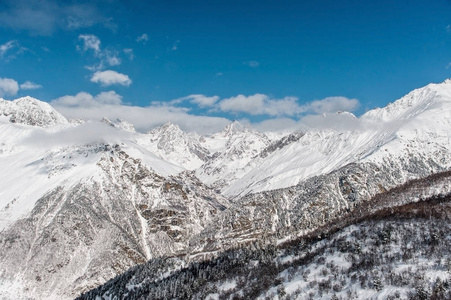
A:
170	126
234	127
166	128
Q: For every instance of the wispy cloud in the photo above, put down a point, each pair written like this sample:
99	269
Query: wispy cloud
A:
252	63
200	100
6	47
29	85
175	45
142	38
90	42
106	57
109	77
8	86
112	58
129	53
44	17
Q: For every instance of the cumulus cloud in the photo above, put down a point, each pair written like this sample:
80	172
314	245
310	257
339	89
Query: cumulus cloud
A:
110	77
90	41
143	118
29	85
84	99
142	38
332	104
260	104
8	86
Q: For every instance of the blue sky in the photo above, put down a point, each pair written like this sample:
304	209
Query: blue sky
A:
270	62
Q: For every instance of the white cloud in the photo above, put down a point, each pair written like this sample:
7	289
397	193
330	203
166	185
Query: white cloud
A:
332	104
110	98
202	100
6	47
8	86
90	41
260	104
142	38
88	107
252	64
29	85
86	100
110	77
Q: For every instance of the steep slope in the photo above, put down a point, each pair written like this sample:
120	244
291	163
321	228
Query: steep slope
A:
85	231
400	253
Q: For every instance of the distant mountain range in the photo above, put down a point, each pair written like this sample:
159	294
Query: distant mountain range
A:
82	202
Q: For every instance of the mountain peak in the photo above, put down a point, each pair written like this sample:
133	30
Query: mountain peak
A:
233	127
30	111
412	104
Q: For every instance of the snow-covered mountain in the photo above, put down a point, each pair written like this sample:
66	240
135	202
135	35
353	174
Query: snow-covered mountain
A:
30	111
81	202
233	151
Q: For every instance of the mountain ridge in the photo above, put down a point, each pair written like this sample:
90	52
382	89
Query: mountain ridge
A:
85	208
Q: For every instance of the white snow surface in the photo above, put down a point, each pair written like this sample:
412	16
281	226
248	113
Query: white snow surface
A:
47	151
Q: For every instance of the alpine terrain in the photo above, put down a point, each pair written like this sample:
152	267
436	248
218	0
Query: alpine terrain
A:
358	210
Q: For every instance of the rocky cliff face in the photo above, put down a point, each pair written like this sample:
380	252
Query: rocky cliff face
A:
79	235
